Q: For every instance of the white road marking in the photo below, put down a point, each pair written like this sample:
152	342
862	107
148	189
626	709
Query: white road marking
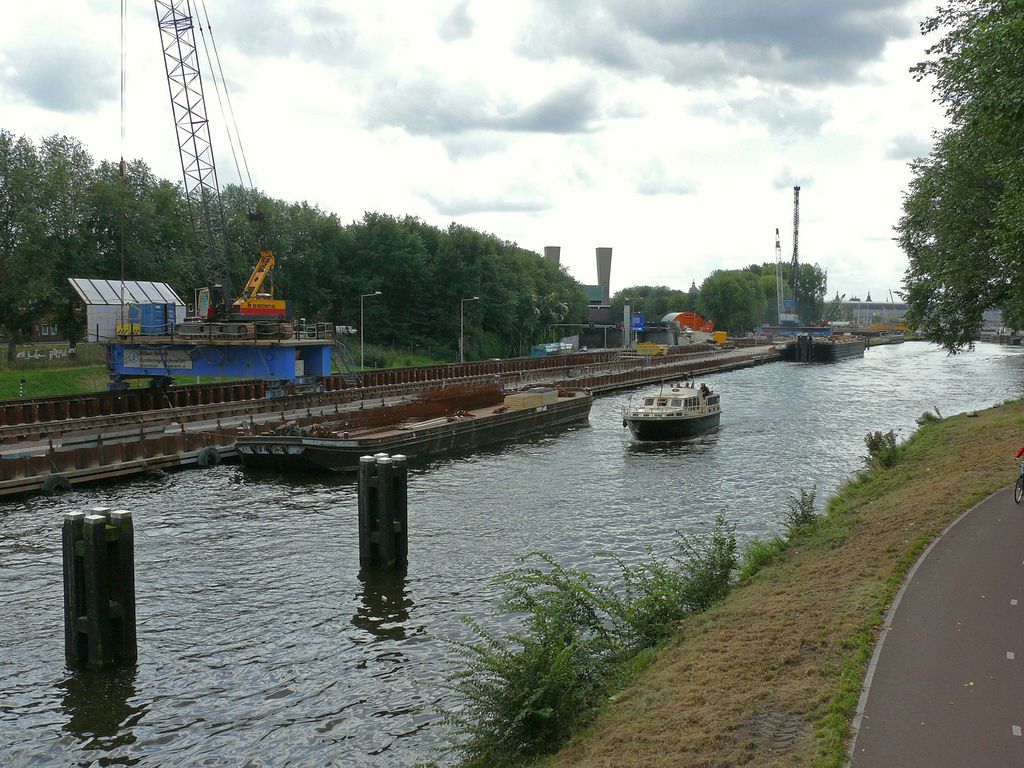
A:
1013	602
1016	730
1009	654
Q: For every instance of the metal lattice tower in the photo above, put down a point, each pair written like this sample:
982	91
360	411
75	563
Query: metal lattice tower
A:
778	276
795	263
192	129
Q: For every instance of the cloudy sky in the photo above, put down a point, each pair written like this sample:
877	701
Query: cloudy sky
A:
671	130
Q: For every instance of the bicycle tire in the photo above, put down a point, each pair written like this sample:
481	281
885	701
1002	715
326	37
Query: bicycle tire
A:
1018	489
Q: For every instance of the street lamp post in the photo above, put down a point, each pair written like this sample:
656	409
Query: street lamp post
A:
363	296
627	322
462	327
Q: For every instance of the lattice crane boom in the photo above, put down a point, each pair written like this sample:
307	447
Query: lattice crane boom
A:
195	147
778	276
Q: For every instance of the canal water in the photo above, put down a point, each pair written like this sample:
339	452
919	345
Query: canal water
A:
261	644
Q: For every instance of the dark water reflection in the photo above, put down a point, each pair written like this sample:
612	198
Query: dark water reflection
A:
384	603
101	708
260	640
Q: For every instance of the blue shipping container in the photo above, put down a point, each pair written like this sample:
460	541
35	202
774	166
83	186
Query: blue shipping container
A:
153	319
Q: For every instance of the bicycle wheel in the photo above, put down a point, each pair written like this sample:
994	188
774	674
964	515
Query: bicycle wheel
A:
1018	489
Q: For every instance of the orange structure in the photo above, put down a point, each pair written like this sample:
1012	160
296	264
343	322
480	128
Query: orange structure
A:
690	320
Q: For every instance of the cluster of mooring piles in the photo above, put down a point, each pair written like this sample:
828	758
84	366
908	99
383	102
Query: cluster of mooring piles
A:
99	563
99	587
383	511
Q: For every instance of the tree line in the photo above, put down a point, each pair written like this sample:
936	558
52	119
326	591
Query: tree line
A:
734	300
63	215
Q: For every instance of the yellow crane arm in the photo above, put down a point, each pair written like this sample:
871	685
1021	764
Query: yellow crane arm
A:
258	276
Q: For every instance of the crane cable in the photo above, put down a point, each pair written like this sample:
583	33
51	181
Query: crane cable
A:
121	167
229	113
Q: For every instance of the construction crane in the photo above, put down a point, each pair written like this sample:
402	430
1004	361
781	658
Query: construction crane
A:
834	307
287	358
217	301
778	275
786	307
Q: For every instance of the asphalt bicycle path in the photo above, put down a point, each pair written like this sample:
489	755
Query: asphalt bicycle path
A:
946	683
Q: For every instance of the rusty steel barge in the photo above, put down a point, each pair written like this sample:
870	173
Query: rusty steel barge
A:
436	422
809	349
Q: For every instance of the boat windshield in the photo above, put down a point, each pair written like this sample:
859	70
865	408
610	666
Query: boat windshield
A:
648	401
676	403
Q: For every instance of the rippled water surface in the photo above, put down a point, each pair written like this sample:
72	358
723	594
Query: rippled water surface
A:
261	643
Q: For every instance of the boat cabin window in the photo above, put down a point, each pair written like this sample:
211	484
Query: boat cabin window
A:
691	403
676	402
662	401
648	401
713	400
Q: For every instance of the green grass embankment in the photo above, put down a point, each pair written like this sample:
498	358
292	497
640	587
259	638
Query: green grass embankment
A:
44	382
771	676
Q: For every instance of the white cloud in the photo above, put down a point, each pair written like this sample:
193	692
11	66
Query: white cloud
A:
458	24
908	146
796	42
654	179
787	178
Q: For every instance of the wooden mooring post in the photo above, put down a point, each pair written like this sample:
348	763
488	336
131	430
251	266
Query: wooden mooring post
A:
383	511
99	587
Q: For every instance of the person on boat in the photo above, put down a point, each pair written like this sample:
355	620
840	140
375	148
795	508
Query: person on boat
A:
704	389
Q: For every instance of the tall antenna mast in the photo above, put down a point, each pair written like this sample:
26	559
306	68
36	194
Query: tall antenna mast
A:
795	263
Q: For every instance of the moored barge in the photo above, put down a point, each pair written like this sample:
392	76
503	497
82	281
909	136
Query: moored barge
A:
435	423
811	349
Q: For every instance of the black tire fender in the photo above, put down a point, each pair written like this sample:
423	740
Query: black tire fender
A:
208	457
56	484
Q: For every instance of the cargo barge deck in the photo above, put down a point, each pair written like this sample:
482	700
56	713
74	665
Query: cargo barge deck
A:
808	349
331	448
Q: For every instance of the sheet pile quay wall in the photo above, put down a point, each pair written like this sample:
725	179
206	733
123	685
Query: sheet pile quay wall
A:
44	454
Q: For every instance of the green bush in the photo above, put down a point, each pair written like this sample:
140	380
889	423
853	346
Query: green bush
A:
758	554
521	695
653	598
373	356
882	449
800	512
708	565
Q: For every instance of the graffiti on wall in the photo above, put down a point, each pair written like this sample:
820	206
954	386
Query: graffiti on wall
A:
44	353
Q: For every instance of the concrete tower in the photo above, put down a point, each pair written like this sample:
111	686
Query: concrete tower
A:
553	252
604	272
